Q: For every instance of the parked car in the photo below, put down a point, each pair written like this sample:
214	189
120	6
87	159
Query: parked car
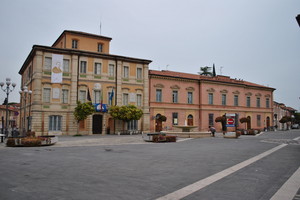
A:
295	126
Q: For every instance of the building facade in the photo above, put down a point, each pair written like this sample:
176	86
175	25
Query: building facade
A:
280	111
195	100
79	67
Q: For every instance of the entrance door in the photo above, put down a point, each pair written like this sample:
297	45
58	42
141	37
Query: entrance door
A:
158	123
190	120
97	124
268	122
249	123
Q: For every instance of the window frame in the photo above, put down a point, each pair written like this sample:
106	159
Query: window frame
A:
224	99
211	98
125	72
55	123
83	67
175	96
158	95
248	101
74	44
100	47
46	95
125	99
139	73
66	65
65	96
97	68
236	100
47	64
111	70
190	97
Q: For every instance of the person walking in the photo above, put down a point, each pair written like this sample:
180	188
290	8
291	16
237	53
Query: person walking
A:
212	130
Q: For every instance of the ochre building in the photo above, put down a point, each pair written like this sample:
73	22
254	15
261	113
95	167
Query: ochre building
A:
195	100
79	67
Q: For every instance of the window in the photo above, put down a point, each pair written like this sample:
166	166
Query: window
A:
268	103
158	95
223	99
125	99
65	96
100	47
210	98
82	96
132	125
258	102
97	96
236	100
175	96
258	120
139	73
125	72
74	44
175	118
83	67
55	123
190	97
248	101
48	64
139	100
111	70
46	95
66	65
210	119
97	68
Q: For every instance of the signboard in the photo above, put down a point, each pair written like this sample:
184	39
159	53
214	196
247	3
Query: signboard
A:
57	68
100	107
230	120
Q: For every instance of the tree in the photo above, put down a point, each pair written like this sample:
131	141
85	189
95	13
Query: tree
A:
206	71
125	113
82	111
285	119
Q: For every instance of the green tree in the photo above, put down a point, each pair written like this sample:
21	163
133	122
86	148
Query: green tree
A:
125	113
206	71
82	111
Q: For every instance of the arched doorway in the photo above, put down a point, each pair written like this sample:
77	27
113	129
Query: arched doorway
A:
268	122
158	123
249	123
190	120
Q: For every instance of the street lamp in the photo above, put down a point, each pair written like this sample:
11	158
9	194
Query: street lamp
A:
7	90
298	19
25	93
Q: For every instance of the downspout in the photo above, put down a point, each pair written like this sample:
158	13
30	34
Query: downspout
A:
200	106
116	91
78	68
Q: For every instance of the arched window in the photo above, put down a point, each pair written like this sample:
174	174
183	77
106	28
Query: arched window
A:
190	120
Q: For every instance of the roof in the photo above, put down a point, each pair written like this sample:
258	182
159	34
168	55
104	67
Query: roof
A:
82	34
219	78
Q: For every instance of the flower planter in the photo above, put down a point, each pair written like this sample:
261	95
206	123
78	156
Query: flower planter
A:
31	141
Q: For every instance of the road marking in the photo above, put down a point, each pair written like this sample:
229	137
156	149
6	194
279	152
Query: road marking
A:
297	138
289	188
182	140
183	192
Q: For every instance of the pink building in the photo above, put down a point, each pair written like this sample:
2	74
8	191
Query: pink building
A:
190	99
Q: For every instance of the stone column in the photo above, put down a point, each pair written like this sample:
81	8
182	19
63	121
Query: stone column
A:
146	111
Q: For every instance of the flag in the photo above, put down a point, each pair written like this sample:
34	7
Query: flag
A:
111	95
89	95
101	101
214	70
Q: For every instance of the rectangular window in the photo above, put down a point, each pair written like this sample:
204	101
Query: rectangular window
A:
83	67
97	96
190	97
111	70
258	120
211	98
139	74
82	96
248	101
74	44
55	123
100	47
175	118
210	119
46	95
175	96
66	67
258	102
48	64
236	100
125	72
139	100
223	99
125	99
97	68
268	103
65	96
132	125
158	95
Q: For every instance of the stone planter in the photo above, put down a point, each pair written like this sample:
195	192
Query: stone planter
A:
231	135
31	141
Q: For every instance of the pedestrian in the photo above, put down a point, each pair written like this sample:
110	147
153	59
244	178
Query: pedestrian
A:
212	130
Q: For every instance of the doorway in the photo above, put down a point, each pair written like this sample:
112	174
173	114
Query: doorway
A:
268	122
190	120
97	124
158	123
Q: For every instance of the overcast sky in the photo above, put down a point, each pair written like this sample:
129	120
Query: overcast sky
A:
254	40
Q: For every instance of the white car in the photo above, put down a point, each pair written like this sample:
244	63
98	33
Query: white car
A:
295	126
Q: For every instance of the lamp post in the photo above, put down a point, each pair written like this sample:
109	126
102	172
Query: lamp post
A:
25	93
7	90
